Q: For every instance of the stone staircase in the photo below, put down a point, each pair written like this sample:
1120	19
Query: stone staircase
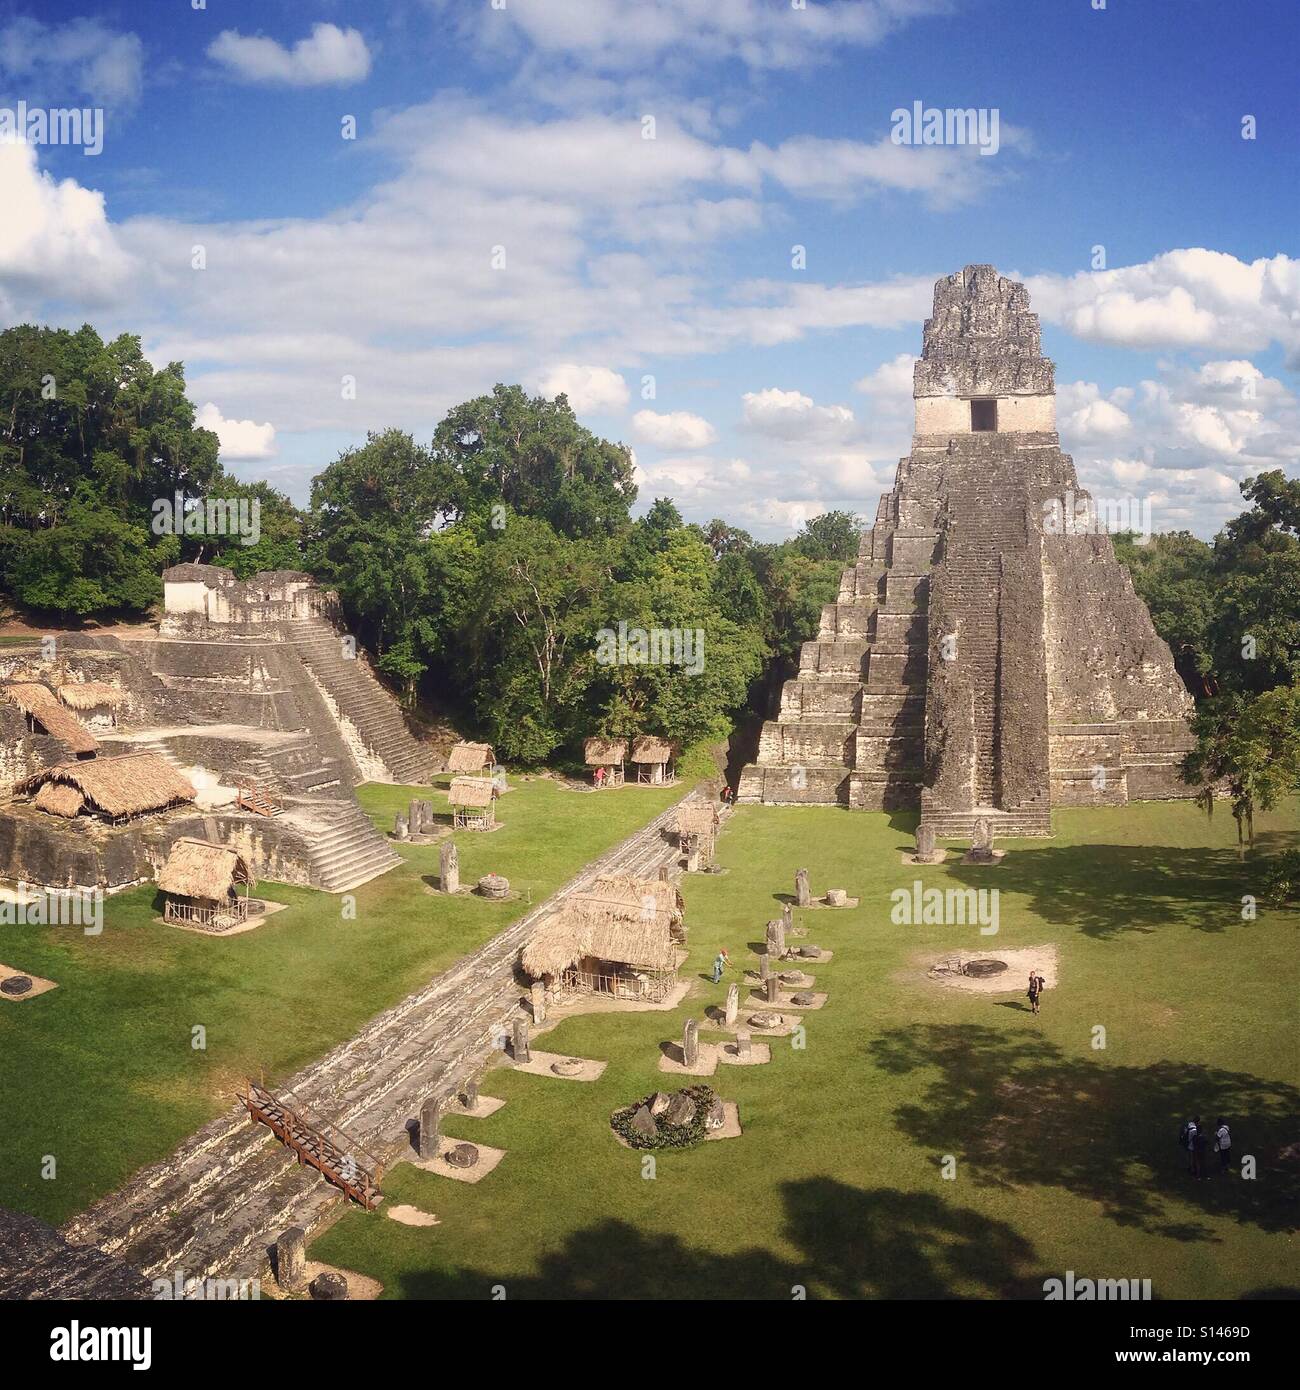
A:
355	695
214	1206
343	846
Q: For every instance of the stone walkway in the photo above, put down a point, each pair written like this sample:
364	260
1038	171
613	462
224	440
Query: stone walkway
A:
214	1206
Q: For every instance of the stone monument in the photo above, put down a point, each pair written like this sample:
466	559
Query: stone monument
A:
987	651
522	1052
691	1043
537	995
732	1007
449	867
291	1258
802	893
430	1113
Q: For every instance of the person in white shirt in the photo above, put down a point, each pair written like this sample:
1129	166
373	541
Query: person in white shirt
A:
1223	1143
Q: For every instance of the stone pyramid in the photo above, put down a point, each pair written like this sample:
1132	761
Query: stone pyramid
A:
987	655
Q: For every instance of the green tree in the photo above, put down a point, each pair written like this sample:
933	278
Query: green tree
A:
1250	745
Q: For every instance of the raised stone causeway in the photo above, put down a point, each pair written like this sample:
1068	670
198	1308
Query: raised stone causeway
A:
214	1206
987	655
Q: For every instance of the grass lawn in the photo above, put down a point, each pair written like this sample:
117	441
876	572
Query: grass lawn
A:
101	1074
1066	1155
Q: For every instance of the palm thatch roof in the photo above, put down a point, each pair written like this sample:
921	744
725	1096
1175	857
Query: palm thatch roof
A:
650	748
631	898
605	752
90	695
198	869
59	799
470	791
128	786
61	723
470	757
697	819
567	936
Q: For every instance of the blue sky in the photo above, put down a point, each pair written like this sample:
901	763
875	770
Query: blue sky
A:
778	392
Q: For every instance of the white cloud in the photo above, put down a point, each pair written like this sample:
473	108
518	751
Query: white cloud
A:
677	429
626	35
591	390
240	439
329	57
82	58
792	415
1189	298
55	238
1084	414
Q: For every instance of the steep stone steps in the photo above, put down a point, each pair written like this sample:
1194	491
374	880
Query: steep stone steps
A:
357	696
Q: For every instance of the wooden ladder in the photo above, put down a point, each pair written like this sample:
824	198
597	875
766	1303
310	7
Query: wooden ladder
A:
323	1146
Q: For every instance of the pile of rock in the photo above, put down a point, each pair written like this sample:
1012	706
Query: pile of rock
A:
670	1120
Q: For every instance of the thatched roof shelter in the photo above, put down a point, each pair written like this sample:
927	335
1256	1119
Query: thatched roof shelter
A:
199	869
604	752
650	748
470	791
570	935
631	898
38	701
117	787
697	818
470	757
90	695
59	799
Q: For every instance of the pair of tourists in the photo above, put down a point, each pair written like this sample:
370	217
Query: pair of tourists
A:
720	963
1194	1137
1036	987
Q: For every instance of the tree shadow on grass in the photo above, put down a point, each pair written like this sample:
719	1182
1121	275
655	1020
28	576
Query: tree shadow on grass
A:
1107	890
1016	1111
853	1243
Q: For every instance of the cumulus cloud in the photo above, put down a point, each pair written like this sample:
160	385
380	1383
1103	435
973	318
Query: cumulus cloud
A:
328	57
1192	435
792	415
1084	414
591	390
82	58
677	429
55	237
240	439
1189	298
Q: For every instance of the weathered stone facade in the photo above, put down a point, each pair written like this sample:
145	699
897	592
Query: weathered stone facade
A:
986	654
254	680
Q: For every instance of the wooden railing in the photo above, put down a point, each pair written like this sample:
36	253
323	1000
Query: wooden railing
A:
649	986
319	1144
220	915
259	798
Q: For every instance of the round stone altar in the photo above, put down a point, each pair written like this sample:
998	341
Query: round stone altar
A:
766	1019
461	1156
567	1066
980	969
16	984
494	886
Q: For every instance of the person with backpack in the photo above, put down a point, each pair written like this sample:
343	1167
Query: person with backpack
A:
1189	1137
1223	1144
1036	983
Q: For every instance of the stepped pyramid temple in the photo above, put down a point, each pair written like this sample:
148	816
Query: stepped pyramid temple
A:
246	720
987	655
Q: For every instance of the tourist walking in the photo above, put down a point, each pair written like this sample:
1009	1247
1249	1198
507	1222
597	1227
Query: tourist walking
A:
719	965
1036	986
1190	1138
1223	1144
